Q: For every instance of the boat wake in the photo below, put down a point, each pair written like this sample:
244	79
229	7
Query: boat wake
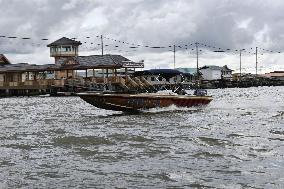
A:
173	108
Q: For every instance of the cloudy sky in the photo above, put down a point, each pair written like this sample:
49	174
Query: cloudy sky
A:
224	24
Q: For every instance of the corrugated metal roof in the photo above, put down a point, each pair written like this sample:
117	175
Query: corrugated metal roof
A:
83	62
165	73
4	60
275	74
224	68
24	67
158	71
187	70
94	61
211	67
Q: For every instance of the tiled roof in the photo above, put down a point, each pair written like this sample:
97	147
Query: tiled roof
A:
64	41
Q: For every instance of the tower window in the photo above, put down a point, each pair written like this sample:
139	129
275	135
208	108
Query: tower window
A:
67	49
53	49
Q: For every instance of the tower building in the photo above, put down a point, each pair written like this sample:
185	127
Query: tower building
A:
64	48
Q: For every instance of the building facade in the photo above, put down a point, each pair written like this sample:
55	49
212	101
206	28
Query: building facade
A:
63	73
216	72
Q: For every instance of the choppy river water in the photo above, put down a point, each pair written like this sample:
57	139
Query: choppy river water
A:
235	142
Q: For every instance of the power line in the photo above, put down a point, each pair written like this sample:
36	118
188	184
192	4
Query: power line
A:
125	44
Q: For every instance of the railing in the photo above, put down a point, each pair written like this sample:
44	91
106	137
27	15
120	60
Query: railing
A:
44	83
101	80
58	82
75	82
33	84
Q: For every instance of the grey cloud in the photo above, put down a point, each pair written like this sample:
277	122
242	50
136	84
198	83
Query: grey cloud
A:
221	23
214	22
36	19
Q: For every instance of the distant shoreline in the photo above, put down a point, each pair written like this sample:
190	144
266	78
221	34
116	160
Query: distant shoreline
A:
73	94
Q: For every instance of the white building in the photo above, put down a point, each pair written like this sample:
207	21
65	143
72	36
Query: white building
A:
216	72
165	76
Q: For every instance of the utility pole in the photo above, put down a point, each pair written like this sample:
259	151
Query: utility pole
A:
256	62
102	45
241	64
174	56
197	67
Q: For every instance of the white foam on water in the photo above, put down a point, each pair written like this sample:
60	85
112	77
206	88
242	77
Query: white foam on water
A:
172	108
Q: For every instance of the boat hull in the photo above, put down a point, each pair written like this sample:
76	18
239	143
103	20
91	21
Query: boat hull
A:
136	102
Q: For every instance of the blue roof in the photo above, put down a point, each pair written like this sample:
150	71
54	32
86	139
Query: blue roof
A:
166	73
158	71
187	70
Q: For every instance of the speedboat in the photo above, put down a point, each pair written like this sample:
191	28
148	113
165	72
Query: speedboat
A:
142	101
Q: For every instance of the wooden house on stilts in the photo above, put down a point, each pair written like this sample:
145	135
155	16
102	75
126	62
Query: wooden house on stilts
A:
66	73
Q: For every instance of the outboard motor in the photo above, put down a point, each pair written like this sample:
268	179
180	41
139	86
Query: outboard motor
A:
200	92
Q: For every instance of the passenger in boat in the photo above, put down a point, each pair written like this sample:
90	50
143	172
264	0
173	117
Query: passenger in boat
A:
200	92
179	90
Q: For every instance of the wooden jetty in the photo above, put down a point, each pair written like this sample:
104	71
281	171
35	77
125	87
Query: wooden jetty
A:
28	79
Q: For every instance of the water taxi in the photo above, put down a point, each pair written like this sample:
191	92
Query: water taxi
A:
142	101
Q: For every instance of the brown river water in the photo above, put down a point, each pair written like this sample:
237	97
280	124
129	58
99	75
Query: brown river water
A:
237	141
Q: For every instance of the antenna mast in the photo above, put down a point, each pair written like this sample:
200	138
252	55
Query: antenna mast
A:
102	45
